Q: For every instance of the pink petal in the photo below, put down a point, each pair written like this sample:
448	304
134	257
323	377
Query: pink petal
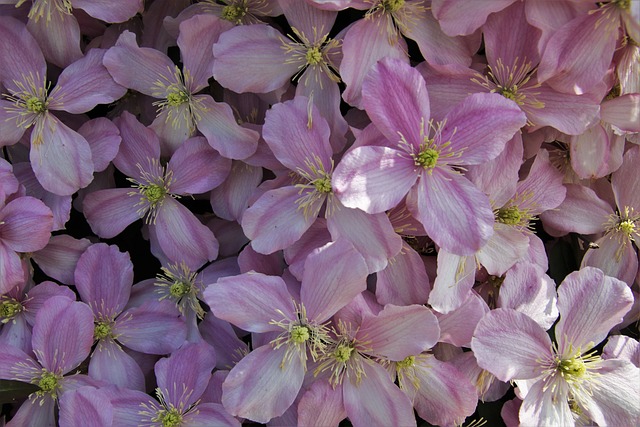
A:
527	289
480	126
197	168
457	17
582	211
25	224
62	334
455	214
400	331
622	112
395	97
230	199
541	407
111	364
103	278
373	179
182	237
510	345
96	408
507	246
250	301
197	35
111	11
321	404
404	280
365	43
275	221
569	113
590	304
110	211
251	58
104	140
308	19
371	234
297	134
60	157
85	84
376	400
454	279
11	270
222	131
139	145
626	182
20	52
150	65
58	37
333	275
262	369
457	326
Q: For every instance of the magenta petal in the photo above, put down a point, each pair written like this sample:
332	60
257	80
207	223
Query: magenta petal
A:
455	214
373	179
85	406
510	345
110	211
275	221
250	301
25	224
222	131
85	84
60	157
153	328
197	168
590	304
182	237
111	364
103	277
16	364
400	331
395	97
480	126
251	58
262	369
62	334
333	275
376	400
190	366
150	65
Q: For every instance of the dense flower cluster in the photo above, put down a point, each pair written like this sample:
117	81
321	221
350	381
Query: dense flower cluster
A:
296	212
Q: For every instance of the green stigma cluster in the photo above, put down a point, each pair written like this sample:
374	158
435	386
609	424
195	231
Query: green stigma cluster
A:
101	330
572	368
427	158
300	334
510	215
392	5
9	308
169	417
233	13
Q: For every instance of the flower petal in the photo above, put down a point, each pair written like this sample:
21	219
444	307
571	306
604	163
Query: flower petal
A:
25	224
197	168
110	211
111	364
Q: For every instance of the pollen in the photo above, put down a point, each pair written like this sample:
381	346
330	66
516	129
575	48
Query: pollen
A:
9	308
101	330
407	362
233	13
300	334
427	158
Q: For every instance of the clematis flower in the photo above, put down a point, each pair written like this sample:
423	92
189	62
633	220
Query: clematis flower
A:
280	216
194	168
567	379
25	226
182	379
181	110
414	156
334	274
62	338
60	157
103	277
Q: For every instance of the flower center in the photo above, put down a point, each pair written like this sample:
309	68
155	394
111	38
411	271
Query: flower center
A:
510	215
427	158
407	362
177	97
9	308
101	330
154	193
234	13
49	383
179	289
152	189
35	105
314	56
392	5
343	352
169	418
571	369
323	185
300	334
